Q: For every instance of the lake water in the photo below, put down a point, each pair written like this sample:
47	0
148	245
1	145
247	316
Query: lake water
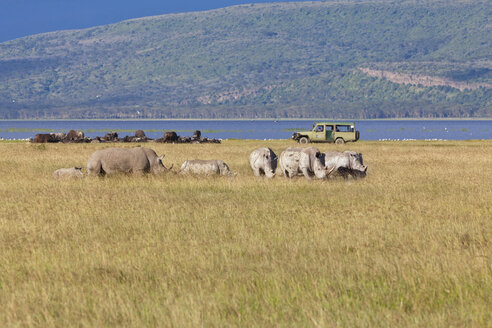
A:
243	129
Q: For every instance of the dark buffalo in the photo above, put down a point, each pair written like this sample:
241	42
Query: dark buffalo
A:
197	135
170	136
73	135
111	136
140	134
45	137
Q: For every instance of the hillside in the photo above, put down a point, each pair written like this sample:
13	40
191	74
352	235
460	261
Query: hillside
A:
306	59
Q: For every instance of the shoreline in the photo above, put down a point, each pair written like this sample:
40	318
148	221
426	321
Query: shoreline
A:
246	120
316	143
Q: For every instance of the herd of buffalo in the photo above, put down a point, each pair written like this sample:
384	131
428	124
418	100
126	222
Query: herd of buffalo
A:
308	162
74	136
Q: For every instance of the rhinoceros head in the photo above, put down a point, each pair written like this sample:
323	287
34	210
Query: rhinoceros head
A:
159	166
319	168
356	163
270	160
224	168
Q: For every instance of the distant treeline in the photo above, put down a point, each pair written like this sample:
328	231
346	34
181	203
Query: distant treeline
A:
282	60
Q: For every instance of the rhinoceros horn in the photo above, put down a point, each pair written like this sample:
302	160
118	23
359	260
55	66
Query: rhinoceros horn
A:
160	158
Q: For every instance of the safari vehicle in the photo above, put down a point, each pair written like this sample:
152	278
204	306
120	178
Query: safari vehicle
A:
336	132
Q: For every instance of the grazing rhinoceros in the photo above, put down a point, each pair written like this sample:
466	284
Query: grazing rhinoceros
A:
69	172
126	160
348	162
302	161
205	167
263	161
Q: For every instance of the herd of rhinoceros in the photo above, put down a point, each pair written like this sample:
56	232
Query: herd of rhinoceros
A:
307	162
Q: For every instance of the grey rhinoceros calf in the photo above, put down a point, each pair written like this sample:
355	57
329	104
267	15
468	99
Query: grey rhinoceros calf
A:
302	161
125	160
205	167
345	164
263	161
68	172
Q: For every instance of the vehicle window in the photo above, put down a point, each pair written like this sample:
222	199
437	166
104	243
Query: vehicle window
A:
329	128
345	128
320	128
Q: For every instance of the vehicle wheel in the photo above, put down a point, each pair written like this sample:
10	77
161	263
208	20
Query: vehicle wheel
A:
303	140
339	141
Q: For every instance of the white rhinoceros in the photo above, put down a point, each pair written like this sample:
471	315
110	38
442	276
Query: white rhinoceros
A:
302	161
125	160
263	161
68	172
348	162
205	167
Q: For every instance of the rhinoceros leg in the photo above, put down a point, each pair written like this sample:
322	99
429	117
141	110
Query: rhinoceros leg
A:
256	172
357	174
344	172
306	173
138	172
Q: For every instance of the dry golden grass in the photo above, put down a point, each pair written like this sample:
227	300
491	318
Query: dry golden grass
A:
410	245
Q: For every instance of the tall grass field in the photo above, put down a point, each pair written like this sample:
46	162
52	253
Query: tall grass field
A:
408	246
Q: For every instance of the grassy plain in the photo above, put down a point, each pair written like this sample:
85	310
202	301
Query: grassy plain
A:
410	245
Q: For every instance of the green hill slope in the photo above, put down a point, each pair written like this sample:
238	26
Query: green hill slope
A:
307	59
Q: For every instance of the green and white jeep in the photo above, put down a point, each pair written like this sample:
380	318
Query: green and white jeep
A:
336	132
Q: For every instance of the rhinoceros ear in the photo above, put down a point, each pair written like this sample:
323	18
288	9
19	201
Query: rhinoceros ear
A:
161	157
